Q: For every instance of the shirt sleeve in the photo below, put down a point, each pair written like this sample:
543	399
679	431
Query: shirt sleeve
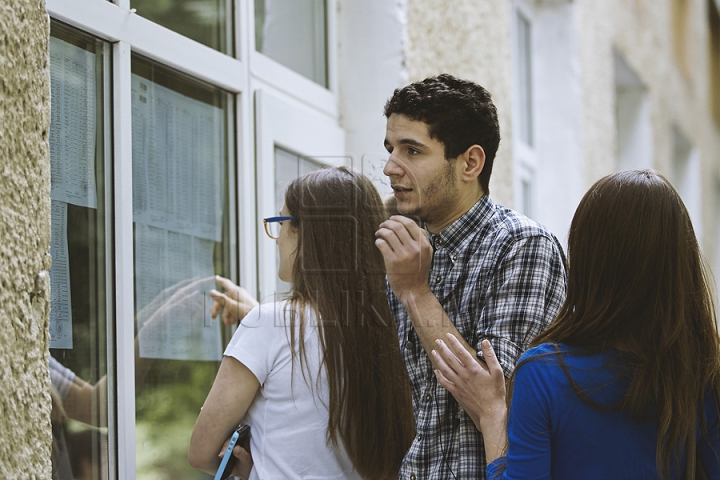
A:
524	295
61	377
259	339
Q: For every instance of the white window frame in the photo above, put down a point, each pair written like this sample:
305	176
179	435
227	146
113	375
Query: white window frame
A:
524	153
273	73
284	123
129	33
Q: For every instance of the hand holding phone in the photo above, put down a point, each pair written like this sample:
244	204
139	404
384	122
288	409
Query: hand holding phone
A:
228	461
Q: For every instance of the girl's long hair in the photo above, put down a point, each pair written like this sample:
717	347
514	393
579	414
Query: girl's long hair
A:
637	283
339	272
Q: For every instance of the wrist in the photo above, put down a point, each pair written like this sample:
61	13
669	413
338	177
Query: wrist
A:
491	420
492	425
412	297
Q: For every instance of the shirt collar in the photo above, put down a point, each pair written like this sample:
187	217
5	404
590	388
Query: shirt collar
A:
458	232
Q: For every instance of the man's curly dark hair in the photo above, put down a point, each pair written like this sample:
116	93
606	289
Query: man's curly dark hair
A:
458	113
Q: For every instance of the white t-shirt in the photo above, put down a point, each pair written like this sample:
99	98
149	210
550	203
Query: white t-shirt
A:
289	413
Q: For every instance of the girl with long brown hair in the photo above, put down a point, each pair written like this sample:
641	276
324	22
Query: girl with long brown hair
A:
318	377
625	382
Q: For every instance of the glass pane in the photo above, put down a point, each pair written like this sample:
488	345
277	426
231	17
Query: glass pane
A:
294	33
80	267
206	21
182	137
288	167
525	77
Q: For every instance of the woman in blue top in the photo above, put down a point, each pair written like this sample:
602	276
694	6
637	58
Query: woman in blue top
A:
624	384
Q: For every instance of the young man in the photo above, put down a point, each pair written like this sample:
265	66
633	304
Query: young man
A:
477	270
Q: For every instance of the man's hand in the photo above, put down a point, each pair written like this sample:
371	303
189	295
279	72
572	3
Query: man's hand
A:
235	303
408	256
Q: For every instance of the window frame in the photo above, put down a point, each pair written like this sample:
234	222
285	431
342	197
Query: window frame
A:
241	75
273	73
524	153
292	127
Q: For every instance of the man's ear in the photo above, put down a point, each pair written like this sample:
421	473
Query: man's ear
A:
473	163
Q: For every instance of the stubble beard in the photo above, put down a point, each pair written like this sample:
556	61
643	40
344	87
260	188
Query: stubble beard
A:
436	199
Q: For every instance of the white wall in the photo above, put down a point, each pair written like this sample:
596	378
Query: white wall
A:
372	63
558	120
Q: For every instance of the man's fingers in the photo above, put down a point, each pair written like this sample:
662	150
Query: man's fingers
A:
411	227
388	236
397	225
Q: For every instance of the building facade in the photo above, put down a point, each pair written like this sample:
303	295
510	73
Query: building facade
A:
143	141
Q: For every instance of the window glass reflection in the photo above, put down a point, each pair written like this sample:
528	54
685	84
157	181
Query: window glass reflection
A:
182	132
294	33
79	272
206	21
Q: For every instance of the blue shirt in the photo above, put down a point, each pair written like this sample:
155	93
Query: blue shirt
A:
553	433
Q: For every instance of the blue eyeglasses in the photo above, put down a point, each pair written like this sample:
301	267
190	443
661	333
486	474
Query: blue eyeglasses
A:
272	225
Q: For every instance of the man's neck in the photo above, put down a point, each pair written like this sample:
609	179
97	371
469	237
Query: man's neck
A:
464	204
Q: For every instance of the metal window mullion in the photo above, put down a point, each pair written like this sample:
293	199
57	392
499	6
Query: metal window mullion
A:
331	34
118	23
109	261
124	292
246	191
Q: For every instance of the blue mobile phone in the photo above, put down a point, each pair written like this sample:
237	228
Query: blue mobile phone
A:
228	461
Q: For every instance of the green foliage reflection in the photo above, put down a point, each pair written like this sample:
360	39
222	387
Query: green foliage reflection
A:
205	21
167	404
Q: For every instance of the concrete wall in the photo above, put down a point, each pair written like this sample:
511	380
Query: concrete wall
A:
469	39
25	437
673	62
666	42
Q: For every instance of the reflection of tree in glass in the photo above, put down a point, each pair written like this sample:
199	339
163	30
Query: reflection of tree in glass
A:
167	405
169	393
202	20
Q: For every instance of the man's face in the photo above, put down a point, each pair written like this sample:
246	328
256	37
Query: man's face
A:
423	181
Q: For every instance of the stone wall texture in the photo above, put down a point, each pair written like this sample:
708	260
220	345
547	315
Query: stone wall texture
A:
25	434
469	39
644	33
667	42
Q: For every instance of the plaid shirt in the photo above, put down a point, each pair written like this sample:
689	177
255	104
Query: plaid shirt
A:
499	276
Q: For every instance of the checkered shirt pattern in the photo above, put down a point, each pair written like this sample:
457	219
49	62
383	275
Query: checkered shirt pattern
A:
499	276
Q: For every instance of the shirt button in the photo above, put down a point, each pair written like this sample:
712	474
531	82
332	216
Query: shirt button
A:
413	477
437	279
454	257
428	397
440	241
409	345
419	436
